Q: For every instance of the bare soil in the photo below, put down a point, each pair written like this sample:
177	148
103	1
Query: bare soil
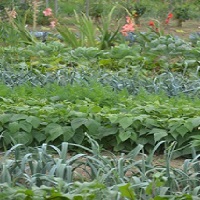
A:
189	26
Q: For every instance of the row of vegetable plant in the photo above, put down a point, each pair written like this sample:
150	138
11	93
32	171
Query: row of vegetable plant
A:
52	172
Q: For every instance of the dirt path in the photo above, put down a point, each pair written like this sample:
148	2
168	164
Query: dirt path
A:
189	27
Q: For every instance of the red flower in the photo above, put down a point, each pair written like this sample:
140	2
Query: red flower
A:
170	15
151	23
47	12
167	21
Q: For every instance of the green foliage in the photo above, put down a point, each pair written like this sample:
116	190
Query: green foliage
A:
87	32
65	114
182	13
139	9
49	172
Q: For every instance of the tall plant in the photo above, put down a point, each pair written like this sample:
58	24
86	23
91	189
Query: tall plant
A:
36	4
85	32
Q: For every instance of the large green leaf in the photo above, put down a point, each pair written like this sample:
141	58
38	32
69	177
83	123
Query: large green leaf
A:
77	122
4	118
21	137
158	133
127	192
125	122
112	117
149	122
182	130
17	117
92	126
79	136
68	133
24	125
53	131
195	121
124	135
13	127
106	131
39	136
34	121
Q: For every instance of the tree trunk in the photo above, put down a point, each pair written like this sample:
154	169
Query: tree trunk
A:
87	7
56	7
179	23
137	20
47	3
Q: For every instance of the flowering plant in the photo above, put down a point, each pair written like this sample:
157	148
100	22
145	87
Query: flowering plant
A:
169	16
129	27
153	26
48	13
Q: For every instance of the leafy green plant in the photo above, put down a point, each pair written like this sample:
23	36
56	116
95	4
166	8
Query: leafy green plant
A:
108	37
54	172
87	33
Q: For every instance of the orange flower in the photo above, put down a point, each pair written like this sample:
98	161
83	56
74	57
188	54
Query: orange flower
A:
47	12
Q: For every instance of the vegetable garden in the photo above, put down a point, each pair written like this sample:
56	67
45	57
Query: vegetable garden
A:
91	92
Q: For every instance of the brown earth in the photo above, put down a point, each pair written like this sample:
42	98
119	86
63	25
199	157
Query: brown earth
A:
189	26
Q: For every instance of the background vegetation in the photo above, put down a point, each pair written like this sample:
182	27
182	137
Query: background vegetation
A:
85	110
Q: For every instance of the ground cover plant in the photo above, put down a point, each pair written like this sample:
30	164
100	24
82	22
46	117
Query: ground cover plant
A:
92	93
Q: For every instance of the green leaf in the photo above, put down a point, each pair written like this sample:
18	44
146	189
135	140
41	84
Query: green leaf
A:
106	131
68	133
17	117
182	130
195	121
127	192
77	122
4	118
161	198
53	131
113	118
24	125
78	136
124	135
125	122
6	100
149	189
158	133
78	197
13	127
22	137
39	136
189	126
149	122
34	121
134	136
92	126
